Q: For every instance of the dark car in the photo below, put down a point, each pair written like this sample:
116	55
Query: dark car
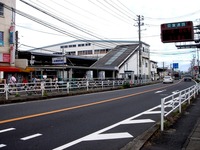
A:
187	78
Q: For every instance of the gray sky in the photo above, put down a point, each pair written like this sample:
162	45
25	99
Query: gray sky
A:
110	19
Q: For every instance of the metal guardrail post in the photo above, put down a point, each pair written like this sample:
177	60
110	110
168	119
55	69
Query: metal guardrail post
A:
68	87
6	90
87	85
113	83
180	100
102	84
42	88
189	96
162	114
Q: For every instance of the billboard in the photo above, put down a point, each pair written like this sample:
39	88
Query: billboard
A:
177	32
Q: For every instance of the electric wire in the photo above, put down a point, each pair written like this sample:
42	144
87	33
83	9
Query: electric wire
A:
68	23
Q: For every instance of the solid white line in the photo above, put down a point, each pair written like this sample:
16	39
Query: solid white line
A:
6	130
2	145
31	137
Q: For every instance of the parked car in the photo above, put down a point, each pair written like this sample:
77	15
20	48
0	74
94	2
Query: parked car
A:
187	77
168	79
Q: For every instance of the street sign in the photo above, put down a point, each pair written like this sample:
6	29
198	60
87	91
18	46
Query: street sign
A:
175	65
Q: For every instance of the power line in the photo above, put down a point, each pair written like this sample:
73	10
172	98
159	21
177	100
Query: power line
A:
127	8
49	25
66	22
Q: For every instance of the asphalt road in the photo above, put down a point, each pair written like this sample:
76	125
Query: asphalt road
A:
106	120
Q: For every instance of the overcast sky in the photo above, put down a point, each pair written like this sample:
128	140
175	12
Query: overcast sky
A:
111	20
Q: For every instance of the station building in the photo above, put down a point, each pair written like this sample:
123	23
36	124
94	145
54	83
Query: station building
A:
93	59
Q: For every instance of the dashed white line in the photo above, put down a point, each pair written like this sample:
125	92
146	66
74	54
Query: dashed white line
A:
31	137
2	145
6	130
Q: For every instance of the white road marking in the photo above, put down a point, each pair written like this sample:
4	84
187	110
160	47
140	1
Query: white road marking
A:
97	134
152	112
6	130
2	145
31	137
175	92
138	121
108	136
159	91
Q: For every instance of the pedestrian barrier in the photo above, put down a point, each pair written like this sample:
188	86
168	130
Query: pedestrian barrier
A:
43	88
175	101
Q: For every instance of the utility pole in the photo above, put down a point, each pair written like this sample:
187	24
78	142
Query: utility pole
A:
16	41
139	24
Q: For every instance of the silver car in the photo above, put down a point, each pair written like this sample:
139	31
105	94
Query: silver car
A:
168	79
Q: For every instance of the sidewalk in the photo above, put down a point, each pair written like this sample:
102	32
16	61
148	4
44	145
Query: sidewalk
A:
184	134
193	141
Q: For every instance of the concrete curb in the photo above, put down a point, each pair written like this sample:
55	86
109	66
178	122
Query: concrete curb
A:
139	141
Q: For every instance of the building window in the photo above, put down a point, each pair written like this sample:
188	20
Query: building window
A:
87	44
86	52
1	38
71	53
152	65
146	64
1	9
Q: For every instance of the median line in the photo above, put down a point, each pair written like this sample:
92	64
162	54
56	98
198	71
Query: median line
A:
75	107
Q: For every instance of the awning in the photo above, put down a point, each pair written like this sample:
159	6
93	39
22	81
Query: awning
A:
9	69
27	69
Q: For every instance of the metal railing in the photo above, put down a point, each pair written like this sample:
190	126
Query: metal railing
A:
43	88
175	101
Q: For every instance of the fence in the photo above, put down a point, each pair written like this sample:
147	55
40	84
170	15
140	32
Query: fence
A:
175	101
41	87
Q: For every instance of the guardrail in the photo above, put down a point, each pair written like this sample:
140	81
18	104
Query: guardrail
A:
175	101
41	87
44	88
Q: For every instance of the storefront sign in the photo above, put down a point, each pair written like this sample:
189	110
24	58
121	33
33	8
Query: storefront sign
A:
4	57
59	60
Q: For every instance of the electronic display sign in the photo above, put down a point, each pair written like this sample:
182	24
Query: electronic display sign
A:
177	32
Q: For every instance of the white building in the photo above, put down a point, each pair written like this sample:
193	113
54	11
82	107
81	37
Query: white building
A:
87	48
116	59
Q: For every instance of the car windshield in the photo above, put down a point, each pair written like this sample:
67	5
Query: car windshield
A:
167	77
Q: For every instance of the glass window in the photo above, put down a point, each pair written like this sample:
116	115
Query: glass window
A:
1	38
1	9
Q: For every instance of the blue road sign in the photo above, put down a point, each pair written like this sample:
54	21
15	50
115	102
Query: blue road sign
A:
175	65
